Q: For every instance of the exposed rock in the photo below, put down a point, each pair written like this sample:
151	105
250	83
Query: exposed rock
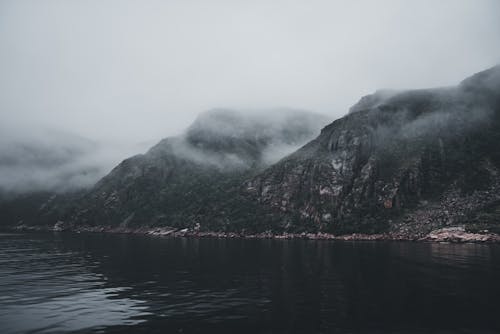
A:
459	234
410	162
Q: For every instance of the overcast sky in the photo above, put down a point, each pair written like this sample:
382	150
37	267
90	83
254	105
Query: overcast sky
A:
139	70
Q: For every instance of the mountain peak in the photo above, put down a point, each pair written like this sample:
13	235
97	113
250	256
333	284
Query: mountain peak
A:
487	80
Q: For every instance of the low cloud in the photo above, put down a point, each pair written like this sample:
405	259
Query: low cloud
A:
37	159
239	138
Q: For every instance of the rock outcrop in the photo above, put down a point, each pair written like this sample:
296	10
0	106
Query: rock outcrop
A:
459	234
400	162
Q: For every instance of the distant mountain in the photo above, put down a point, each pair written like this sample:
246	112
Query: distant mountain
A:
402	162
39	168
42	169
46	160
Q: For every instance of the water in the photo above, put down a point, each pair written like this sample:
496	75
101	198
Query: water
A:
52	283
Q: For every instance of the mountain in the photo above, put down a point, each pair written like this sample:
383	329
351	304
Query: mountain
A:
404	163
400	163
190	180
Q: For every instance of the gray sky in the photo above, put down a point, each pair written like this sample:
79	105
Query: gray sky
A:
139	70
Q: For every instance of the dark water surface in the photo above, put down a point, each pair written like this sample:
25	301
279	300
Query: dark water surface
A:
53	283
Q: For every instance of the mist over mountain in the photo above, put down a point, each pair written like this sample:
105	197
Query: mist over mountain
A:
400	162
37	159
44	169
184	179
244	139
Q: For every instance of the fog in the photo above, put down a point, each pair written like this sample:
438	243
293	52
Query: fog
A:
53	160
247	138
122	74
433	114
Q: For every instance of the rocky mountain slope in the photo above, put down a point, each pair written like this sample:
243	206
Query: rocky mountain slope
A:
194	178
400	162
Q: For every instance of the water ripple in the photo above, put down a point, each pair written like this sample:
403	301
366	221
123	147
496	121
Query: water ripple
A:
105	284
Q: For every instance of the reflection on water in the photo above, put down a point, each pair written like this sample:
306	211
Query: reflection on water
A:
118	283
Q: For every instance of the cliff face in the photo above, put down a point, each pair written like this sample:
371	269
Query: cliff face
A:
401	162
192	179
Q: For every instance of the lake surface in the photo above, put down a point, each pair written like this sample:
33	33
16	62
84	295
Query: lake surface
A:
52	283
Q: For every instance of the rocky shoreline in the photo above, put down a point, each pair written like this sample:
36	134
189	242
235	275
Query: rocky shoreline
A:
456	234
